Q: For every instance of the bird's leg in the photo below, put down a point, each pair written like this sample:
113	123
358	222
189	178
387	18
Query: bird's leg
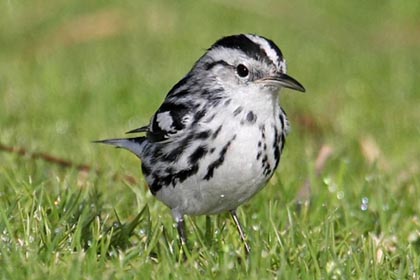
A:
241	231
180	225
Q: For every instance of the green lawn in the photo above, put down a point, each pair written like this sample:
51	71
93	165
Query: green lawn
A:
76	71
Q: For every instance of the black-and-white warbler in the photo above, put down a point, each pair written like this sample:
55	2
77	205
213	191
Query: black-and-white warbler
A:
218	136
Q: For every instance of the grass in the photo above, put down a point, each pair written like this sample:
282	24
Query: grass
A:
72	72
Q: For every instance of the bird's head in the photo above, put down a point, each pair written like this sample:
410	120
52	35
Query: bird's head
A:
245	63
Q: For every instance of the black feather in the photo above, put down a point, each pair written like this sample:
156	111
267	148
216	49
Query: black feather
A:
138	130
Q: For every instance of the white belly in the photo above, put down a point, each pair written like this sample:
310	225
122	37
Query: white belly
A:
234	181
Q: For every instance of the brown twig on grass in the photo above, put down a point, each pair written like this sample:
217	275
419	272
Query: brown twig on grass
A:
64	163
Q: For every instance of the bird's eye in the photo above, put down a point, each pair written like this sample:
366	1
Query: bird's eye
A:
242	70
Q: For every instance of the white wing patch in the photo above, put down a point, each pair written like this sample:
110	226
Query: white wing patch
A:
187	119
165	121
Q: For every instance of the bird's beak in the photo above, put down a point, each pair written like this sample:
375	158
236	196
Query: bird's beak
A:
282	80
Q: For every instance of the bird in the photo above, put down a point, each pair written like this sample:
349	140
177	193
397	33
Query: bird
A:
218	136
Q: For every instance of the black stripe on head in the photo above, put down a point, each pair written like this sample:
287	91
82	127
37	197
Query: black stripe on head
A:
247	46
242	43
210	65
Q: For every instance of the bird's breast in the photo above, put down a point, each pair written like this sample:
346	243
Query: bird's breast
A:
230	160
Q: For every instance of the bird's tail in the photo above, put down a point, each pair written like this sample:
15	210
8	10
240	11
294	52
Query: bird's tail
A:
134	145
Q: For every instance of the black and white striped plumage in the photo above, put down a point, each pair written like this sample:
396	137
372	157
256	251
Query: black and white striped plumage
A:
218	136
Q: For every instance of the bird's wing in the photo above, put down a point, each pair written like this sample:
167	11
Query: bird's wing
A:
169	121
174	116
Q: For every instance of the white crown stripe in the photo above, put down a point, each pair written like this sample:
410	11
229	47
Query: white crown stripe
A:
271	53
